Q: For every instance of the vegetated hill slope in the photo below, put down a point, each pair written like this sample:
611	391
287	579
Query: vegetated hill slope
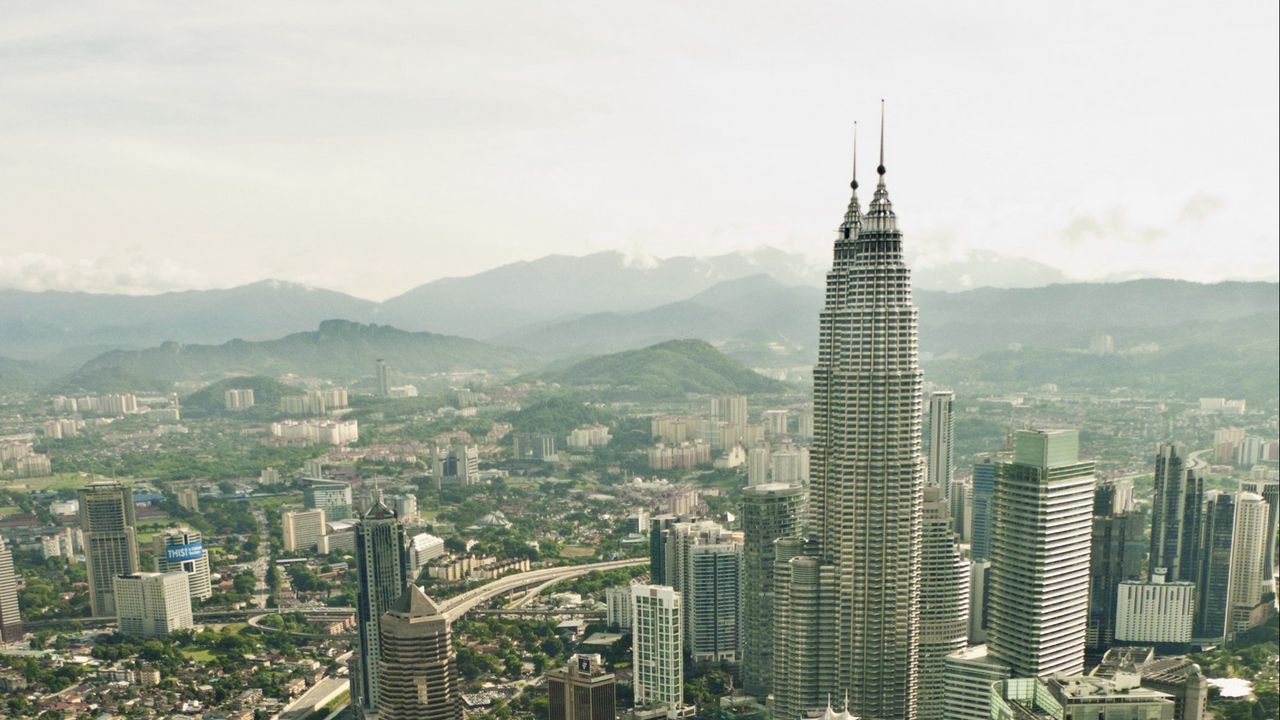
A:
668	370
339	350
211	399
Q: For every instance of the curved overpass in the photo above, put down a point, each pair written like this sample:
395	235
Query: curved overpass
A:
455	607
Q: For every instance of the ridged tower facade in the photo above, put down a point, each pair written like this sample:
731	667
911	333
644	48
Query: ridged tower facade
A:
867	477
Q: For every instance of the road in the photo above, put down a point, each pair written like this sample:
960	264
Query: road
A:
263	563
456	607
316	697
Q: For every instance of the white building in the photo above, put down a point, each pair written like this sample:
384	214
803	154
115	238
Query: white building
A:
775	422
789	466
657	653
238	399
1155	612
758	461
618	611
1248	549
423	548
301	529
182	550
152	604
589	436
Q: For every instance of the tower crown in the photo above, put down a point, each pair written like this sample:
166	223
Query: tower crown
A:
852	215
880	217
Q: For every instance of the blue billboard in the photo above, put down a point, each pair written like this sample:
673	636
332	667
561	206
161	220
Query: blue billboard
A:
190	551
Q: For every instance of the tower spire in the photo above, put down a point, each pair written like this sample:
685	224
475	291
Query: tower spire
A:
880	217
853	214
880	167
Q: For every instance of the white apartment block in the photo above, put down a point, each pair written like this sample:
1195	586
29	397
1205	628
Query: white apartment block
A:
237	399
618	612
657	652
152	604
1155	612
302	529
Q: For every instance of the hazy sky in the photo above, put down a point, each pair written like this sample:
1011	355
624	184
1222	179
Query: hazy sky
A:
370	147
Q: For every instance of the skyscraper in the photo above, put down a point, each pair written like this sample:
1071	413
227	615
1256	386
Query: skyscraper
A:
704	561
984	487
1168	510
331	496
867	472
658	527
383	568
1117	549
657	657
1213	578
1270	491
1247	553
1041	526
382	378
107	519
942	428
944	602
182	550
152	604
769	512
417	668
582	690
804	615
10	617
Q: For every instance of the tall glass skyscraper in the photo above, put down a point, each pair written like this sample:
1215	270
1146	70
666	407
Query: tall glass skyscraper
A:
867	472
383	566
769	512
942	429
110	544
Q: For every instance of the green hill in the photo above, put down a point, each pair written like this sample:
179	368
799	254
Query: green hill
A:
671	369
210	400
339	350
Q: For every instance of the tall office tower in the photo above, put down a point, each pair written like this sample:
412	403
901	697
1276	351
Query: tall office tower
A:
804	617
942	428
1270	491
382	377
1114	496
582	690
703	562
182	550
944	602
1117	551
729	408
10	616
1192	528
867	472
1213	578
384	572
152	604
1247	553
984	487
331	496
1040	545
417	668
1168	533
301	529
769	512
658	527
110	547
657	656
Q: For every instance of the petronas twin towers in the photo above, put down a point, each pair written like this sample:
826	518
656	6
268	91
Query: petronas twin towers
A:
866	489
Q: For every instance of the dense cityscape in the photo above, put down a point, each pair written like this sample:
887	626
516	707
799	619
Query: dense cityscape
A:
850	541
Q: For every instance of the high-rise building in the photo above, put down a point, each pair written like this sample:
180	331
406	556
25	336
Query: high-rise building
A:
1041	527
729	408
704	562
789	465
301	529
10	616
658	527
383	573
1173	492
457	464
331	496
1247	553
979	584
944	602
758	462
804	617
967	682
107	519
1213	576
867	472
984	487
182	550
775	422
1270	491
657	657
582	690
769	512
417	667
382	378
618	610
1117	550
152	604
942	426
188	498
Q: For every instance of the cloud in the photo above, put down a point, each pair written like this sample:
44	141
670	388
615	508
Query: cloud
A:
1200	207
1111	226
131	274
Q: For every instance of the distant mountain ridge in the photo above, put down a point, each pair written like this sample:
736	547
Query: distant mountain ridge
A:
339	350
671	370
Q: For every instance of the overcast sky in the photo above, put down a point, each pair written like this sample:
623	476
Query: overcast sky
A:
370	147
